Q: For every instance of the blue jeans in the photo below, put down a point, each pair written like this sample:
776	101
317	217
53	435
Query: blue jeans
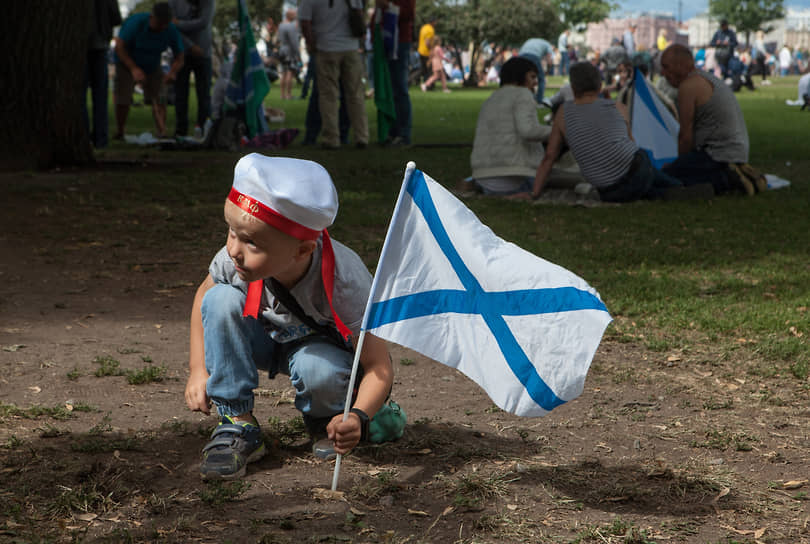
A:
541	76
201	67
97	79
698	167
237	347
643	181
564	61
399	69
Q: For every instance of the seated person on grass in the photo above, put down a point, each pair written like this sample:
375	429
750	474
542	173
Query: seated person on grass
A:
264	305
509	139
598	132
713	138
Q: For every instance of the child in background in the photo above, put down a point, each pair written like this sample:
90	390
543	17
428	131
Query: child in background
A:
242	319
436	62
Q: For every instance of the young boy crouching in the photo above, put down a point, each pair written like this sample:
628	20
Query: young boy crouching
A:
277	247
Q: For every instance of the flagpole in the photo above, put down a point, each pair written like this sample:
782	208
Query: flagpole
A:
409	168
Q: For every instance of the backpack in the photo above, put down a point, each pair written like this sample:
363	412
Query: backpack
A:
225	133
357	21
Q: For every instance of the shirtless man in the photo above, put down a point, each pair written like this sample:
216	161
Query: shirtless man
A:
713	135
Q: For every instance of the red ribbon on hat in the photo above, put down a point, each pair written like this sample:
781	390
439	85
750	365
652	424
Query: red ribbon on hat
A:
296	230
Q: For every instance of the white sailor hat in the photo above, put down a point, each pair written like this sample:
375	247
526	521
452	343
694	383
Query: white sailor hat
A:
298	198
293	195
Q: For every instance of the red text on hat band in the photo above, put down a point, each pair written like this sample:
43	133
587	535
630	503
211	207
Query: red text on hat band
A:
272	217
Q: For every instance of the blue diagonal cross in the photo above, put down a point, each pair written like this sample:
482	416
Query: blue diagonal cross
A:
491	305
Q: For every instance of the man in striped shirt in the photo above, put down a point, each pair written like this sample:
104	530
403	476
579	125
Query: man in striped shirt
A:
598	132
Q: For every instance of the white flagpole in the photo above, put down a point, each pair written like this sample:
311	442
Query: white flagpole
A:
410	167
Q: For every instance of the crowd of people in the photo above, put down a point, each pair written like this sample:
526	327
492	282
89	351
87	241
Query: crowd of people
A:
322	46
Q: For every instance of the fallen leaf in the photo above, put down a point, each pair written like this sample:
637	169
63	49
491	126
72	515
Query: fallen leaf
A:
356	512
417	512
13	347
87	517
425	451
759	532
373	472
35	388
447	510
327	494
673	358
512	506
794	484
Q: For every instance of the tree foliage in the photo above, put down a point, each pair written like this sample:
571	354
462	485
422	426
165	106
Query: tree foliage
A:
747	15
582	12
507	22
477	22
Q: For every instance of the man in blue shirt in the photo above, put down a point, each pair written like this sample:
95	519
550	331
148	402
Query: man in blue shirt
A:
724	41
537	50
141	41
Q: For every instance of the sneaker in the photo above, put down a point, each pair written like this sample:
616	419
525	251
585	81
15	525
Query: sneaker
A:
739	179
233	445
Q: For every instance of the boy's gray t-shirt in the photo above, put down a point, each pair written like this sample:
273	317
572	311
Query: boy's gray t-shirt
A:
351	289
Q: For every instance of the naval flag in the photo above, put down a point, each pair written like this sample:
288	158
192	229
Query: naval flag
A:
653	126
522	328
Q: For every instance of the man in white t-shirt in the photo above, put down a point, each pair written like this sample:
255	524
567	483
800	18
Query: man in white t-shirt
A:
328	34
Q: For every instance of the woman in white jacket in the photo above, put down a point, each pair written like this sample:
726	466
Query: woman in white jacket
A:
508	144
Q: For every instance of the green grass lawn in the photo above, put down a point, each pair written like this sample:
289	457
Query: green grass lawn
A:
729	277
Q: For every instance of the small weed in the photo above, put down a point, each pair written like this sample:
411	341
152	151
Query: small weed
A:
85	497
492	410
711	404
12	443
102	427
286	432
74	374
148	374
384	483
479	486
469	503
626	375
108	367
49	431
406	362
216	493
84	407
146	359
127	351
34	412
800	369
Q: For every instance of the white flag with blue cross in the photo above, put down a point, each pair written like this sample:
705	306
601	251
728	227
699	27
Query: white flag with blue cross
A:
446	286
653	126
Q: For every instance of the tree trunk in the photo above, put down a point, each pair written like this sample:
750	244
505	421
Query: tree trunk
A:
42	72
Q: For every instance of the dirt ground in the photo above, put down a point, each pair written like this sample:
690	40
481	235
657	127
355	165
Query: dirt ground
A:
661	446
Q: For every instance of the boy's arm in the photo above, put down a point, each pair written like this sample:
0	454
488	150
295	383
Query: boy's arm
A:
196	396
371	394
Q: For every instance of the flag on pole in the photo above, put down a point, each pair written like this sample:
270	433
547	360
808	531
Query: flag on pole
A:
248	84
522	328
383	93
653	126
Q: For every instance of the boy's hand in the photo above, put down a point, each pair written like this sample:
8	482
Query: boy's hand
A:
196	395
345	434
